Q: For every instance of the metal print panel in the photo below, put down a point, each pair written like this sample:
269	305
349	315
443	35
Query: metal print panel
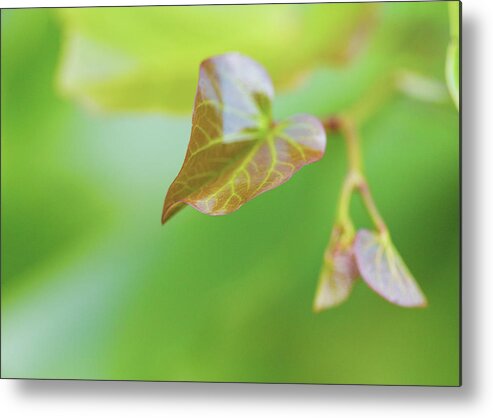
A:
237	193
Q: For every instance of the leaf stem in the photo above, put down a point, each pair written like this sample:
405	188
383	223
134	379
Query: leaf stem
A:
344	221
367	197
355	177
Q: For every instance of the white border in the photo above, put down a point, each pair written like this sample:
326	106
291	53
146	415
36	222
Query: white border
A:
474	399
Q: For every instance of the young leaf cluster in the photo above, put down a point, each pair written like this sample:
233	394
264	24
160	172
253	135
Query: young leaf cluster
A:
237	151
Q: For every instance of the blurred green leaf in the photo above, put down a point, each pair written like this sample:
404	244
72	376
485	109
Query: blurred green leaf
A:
146	58
236	150
453	53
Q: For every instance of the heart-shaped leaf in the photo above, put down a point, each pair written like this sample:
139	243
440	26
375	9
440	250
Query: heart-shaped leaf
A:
236	150
382	268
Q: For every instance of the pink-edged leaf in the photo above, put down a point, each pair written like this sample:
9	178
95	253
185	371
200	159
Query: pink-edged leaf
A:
382	268
236	151
337	278
339	272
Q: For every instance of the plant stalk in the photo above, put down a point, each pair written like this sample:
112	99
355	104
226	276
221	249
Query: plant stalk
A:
355	178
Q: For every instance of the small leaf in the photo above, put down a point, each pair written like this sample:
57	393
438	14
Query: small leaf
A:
382	268
338	274
236	150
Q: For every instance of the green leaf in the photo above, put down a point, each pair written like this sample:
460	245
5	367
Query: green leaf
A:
236	150
452	71
339	271
382	268
452	65
454	16
145	58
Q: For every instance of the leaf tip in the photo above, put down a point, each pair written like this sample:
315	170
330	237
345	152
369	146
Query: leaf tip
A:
164	218
169	209
317	308
422	304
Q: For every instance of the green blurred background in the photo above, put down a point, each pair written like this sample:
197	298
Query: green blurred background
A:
94	288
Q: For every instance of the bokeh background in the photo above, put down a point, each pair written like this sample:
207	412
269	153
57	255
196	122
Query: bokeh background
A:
96	107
